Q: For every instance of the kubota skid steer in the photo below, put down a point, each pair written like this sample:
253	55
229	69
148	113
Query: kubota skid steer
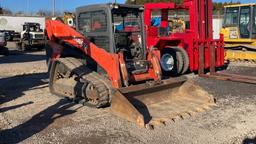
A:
104	65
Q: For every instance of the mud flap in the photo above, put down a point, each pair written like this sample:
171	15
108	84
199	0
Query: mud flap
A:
155	103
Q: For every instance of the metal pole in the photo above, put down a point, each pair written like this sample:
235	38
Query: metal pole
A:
27	7
2	3
53	9
62	8
1	8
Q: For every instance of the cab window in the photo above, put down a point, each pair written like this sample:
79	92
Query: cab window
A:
254	22
93	25
231	17
244	22
95	21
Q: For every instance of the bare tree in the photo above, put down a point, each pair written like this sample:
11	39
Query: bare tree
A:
5	11
20	13
42	12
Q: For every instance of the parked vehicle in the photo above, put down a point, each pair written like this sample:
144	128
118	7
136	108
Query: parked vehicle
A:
11	35
32	36
13	25
3	43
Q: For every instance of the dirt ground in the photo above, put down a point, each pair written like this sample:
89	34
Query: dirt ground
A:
30	114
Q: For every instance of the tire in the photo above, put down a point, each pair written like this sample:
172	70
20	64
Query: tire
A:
27	47
8	37
185	58
6	51
40	47
11	38
171	62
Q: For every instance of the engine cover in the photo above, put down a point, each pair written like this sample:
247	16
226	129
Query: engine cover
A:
138	66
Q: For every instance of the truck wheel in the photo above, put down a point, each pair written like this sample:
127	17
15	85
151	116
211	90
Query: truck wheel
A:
171	62
27	47
8	38
41	48
11	38
185	59
6	51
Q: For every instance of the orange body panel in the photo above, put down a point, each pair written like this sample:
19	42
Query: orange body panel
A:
58	32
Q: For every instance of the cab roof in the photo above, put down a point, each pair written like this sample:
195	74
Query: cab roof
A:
110	6
240	5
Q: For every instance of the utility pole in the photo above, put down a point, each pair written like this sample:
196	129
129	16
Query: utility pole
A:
27	7
1	8
53	8
62	8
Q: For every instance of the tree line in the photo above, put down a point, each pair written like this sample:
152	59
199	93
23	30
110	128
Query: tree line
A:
217	7
41	12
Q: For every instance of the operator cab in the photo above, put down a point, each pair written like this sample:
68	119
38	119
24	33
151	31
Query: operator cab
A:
244	18
117	28
128	31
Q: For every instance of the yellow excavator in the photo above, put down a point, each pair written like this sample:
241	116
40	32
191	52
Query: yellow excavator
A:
69	19
239	31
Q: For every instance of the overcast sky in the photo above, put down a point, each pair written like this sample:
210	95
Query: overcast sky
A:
62	5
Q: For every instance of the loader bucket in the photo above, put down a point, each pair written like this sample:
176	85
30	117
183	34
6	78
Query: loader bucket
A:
155	103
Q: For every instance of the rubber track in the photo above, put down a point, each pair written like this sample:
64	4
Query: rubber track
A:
101	84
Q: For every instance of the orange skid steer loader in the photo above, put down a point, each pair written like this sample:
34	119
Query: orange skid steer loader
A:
102	63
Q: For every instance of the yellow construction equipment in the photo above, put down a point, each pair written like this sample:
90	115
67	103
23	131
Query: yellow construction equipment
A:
69	19
239	31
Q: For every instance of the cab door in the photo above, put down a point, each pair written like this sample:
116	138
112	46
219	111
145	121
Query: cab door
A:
245	22
254	23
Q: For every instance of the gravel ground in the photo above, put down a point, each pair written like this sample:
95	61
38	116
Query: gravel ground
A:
30	114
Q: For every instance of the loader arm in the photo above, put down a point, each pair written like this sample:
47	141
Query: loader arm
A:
59	32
